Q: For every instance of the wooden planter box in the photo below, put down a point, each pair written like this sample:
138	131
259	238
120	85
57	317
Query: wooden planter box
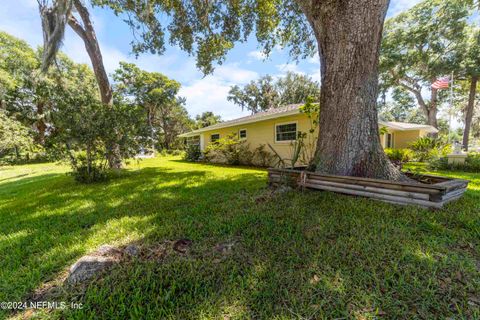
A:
430	191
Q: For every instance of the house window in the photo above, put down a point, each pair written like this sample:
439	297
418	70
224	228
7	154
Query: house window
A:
195	140
286	132
242	133
389	140
215	137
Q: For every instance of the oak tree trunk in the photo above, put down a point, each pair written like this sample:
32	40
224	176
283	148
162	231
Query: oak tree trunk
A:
86	31
349	33
469	111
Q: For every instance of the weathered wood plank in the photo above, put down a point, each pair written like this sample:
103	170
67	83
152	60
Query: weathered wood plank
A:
374	195
380	184
423	194
414	195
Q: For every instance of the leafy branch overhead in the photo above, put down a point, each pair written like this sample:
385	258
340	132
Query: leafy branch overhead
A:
209	29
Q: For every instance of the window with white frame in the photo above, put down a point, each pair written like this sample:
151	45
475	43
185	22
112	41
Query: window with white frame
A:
215	137
286	132
242	133
389	140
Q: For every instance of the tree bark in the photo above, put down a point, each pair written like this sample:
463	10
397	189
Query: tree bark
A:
87	33
349	34
41	125
469	111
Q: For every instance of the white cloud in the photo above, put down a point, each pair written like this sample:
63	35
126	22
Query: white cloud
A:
234	74
258	55
210	94
289	67
314	60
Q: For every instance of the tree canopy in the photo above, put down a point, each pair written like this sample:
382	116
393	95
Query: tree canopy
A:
265	93
421	45
210	29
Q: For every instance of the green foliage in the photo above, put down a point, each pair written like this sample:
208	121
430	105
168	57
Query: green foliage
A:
420	45
265	93
206	119
88	168
261	157
209	30
399	156
297	153
85	128
165	114
16	141
192	153
257	96
472	164
427	148
230	150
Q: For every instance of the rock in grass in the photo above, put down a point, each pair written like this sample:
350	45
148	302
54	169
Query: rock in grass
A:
92	264
87	267
132	250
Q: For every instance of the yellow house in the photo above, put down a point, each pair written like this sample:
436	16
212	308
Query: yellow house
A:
279	128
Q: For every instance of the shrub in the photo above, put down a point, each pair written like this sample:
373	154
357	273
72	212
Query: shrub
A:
88	168
428	149
192	153
261	157
472	164
229	150
399	155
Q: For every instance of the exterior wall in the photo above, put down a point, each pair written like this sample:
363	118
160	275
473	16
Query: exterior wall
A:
263	132
403	138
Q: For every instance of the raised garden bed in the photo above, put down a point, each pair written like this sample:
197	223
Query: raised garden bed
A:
428	191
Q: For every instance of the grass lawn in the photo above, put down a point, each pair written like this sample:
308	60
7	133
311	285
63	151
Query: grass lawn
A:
298	255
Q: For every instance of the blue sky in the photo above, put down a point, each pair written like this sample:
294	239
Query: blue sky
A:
243	64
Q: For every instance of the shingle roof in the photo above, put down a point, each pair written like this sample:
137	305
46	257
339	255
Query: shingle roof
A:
264	115
294	109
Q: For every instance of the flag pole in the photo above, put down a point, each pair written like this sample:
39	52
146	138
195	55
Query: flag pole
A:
451	109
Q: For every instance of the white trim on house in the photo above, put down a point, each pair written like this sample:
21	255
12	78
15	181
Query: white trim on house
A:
246	134
284	123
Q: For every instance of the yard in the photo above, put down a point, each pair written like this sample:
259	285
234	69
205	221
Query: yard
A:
294	255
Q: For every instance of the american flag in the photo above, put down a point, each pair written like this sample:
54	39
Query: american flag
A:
441	83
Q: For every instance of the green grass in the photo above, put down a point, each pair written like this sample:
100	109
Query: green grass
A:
299	255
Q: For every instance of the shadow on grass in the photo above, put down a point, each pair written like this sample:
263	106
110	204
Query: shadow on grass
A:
299	254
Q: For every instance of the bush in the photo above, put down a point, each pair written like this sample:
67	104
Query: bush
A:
88	168
229	150
192	153
262	157
472	164
428	149
399	155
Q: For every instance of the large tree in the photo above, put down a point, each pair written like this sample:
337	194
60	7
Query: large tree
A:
471	64
421	45
346	33
157	94
56	15
265	93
